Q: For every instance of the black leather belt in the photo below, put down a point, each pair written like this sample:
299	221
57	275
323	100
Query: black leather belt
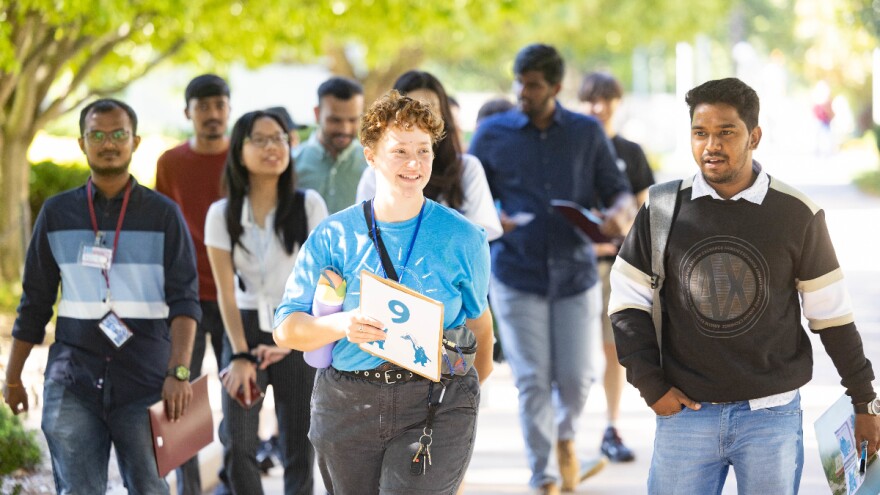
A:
385	373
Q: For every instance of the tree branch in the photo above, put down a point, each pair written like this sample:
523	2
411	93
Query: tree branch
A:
55	109
103	47
64	51
23	38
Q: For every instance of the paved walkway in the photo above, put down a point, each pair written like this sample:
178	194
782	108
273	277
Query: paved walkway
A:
499	467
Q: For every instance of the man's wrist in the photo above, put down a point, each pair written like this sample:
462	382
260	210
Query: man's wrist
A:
871	408
179	372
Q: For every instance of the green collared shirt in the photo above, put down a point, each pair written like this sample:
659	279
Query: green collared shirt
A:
335	179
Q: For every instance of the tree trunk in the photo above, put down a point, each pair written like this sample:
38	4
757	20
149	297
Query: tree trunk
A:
379	80
15	215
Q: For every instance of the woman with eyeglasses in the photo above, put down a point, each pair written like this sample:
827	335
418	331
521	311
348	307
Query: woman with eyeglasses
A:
376	426
253	236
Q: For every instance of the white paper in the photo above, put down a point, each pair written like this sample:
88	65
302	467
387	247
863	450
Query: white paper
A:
522	218
413	325
839	452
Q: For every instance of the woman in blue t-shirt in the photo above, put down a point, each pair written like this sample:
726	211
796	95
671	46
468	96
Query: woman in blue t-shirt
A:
376	425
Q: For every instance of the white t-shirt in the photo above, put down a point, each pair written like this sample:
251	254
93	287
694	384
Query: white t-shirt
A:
265	266
478	205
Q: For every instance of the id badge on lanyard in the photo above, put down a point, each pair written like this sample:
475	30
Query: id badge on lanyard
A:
96	256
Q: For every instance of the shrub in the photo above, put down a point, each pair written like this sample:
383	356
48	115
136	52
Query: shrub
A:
48	179
10	295
869	182
18	448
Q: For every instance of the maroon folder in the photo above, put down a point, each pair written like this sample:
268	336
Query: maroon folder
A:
581	218
176	443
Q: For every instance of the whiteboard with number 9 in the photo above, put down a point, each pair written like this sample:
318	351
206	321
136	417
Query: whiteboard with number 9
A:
413	325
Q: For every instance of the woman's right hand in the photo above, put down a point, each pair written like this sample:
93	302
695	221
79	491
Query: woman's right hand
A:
359	328
238	381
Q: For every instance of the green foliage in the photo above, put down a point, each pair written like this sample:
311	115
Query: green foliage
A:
18	448
869	181
48	179
10	295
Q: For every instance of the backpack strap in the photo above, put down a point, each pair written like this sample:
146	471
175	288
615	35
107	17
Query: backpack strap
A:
662	200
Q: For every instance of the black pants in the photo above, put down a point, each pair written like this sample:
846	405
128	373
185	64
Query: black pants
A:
292	381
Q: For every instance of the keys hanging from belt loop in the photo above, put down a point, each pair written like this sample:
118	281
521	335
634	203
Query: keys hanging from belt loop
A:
422	459
419	464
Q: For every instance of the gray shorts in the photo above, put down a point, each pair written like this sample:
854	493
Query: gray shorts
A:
365	434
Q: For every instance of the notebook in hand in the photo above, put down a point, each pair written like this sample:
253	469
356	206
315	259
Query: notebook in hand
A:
582	218
176	443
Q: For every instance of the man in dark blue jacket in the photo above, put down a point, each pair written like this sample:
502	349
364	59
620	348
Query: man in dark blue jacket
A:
543	290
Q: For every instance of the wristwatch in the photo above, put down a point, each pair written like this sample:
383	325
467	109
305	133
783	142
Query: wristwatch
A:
180	372
872	408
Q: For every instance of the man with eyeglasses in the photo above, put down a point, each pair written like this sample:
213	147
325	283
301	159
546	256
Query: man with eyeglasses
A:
190	174
125	263
332	160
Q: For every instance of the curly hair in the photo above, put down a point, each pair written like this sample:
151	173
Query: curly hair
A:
395	110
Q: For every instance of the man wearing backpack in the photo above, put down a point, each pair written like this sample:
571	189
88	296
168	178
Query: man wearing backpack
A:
746	256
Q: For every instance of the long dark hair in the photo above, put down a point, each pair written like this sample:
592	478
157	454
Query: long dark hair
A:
290	215
445	180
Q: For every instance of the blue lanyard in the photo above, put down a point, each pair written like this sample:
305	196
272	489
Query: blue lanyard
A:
375	232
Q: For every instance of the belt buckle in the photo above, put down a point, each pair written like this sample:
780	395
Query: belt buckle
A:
388	378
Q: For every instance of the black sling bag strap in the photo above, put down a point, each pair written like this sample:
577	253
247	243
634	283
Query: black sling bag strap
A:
377	241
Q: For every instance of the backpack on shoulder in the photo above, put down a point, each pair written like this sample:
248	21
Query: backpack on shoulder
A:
662	201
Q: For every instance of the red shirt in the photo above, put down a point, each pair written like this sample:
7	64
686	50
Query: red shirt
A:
192	180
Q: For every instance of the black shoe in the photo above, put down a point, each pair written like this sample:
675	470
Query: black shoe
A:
264	456
613	447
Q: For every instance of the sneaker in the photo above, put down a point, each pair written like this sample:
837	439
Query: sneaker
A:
547	489
571	470
593	466
264	456
613	447
569	466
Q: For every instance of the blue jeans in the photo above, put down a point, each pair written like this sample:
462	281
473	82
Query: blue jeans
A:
549	344
79	435
694	449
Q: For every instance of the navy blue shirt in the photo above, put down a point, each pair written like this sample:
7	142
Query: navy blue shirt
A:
526	168
152	280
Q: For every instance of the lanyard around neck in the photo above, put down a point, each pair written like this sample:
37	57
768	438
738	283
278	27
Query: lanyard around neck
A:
106	271
376	239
